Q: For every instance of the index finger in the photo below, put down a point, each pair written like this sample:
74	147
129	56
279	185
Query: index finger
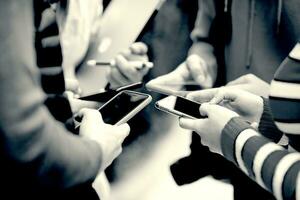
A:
202	95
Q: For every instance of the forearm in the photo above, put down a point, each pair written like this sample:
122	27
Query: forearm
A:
201	35
271	166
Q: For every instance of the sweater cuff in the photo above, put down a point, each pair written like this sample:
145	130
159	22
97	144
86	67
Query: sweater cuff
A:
267	126
229	135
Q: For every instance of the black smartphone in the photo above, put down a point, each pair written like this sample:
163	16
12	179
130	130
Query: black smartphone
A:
121	107
109	93
124	106
179	106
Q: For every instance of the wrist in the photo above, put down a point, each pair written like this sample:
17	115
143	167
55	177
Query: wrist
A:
229	135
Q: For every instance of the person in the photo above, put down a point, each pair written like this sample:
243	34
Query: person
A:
64	33
225	36
40	158
227	128
240	51
78	25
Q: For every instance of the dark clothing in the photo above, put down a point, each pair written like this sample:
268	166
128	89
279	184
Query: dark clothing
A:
49	60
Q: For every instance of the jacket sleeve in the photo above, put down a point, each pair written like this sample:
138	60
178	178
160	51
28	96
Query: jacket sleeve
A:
270	165
29	134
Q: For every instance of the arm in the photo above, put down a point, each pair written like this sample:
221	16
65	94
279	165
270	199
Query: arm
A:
271	166
285	97
30	135
267	163
200	35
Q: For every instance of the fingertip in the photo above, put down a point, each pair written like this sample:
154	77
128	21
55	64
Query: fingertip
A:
126	128
204	109
181	121
139	48
185	123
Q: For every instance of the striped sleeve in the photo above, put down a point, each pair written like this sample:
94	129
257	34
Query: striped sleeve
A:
285	97
270	165
267	125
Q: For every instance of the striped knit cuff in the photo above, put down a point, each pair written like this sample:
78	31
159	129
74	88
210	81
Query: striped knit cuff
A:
267	125
228	137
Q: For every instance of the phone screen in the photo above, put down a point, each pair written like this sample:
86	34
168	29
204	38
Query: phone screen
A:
120	106
186	106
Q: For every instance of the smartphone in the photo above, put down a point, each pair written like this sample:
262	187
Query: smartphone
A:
109	93
179	106
124	106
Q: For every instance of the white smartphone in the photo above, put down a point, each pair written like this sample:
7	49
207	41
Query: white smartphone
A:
124	106
179	106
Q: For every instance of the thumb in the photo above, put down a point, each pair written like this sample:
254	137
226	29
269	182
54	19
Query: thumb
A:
187	123
123	132
205	109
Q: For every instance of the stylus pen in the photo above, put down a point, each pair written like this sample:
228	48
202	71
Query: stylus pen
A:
140	65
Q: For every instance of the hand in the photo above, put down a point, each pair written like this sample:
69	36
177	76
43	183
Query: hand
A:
251	83
194	68
128	65
109	138
246	104
209	128
77	104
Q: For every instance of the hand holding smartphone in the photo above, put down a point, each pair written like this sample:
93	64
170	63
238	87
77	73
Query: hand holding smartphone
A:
179	106
123	107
